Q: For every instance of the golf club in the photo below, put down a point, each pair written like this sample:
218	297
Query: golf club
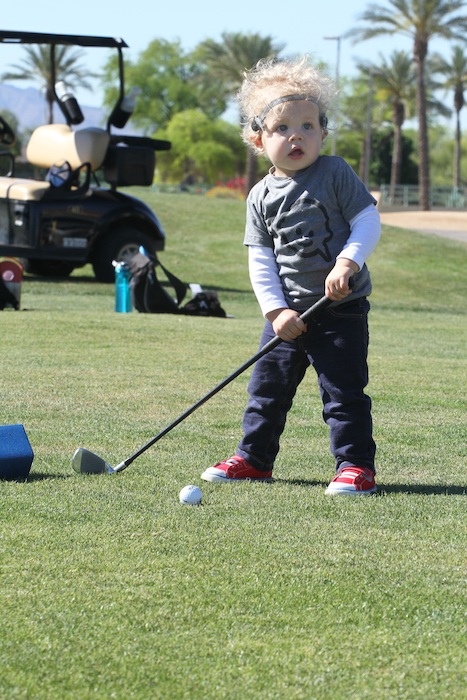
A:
86	462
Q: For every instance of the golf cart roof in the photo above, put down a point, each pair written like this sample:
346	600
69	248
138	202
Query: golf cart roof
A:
65	39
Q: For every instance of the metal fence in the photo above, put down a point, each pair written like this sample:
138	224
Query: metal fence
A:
406	196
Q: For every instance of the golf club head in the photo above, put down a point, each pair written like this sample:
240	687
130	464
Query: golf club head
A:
86	462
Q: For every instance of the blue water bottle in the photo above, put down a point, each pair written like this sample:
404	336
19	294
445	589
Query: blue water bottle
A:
122	287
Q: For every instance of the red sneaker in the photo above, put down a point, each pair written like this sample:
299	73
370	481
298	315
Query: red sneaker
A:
234	468
352	481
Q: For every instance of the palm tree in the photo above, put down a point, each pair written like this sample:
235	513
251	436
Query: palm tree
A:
421	20
227	60
36	66
394	81
455	78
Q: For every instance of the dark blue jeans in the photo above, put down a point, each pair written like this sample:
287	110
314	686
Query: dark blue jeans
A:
336	344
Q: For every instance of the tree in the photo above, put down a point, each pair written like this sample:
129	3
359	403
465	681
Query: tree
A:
226	61
357	110
36	66
171	81
455	78
421	20
382	158
202	150
394	81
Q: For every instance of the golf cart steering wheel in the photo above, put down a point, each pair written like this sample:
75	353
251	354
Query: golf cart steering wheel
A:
7	136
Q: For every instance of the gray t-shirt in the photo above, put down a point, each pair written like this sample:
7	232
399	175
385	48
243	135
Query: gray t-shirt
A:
305	220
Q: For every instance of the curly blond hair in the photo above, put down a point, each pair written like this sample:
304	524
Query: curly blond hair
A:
270	79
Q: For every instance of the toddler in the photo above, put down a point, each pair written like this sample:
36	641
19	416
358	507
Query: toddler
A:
310	226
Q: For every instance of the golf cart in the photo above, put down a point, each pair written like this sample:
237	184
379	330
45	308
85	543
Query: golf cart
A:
67	218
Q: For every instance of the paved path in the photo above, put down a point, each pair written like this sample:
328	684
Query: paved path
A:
449	224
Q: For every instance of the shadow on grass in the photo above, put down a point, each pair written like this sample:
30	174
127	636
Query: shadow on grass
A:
425	489
56	279
40	476
86	279
300	482
385	489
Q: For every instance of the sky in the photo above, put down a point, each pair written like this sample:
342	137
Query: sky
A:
300	26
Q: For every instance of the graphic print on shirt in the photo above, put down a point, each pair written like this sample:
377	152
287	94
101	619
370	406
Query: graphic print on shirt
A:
303	230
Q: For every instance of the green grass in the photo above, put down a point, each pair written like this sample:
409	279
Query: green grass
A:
111	589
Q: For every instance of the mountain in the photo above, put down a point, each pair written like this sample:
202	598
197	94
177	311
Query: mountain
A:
29	107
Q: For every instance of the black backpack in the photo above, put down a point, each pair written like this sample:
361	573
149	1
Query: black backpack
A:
149	296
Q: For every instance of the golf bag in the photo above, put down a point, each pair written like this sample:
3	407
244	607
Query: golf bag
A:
149	296
7	298
11	275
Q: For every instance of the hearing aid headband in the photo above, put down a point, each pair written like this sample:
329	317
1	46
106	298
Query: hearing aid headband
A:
257	123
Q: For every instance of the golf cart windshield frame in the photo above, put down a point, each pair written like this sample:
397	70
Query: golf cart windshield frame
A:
54	40
61	39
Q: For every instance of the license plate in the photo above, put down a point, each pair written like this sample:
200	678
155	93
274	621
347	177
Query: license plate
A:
75	242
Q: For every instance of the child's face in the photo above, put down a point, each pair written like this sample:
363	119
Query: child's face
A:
292	138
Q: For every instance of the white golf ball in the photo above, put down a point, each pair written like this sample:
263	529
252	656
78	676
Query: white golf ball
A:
190	495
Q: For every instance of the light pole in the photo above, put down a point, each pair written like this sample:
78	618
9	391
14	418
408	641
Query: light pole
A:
337	39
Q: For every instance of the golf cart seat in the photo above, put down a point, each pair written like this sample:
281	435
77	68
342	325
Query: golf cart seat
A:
53	143
22	189
55	146
56	143
12	187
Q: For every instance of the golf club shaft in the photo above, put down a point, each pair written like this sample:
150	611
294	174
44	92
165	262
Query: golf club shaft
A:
313	311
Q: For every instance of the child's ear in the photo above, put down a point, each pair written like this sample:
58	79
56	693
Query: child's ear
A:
257	140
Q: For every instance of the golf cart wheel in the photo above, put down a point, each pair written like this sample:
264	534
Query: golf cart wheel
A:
120	246
49	268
